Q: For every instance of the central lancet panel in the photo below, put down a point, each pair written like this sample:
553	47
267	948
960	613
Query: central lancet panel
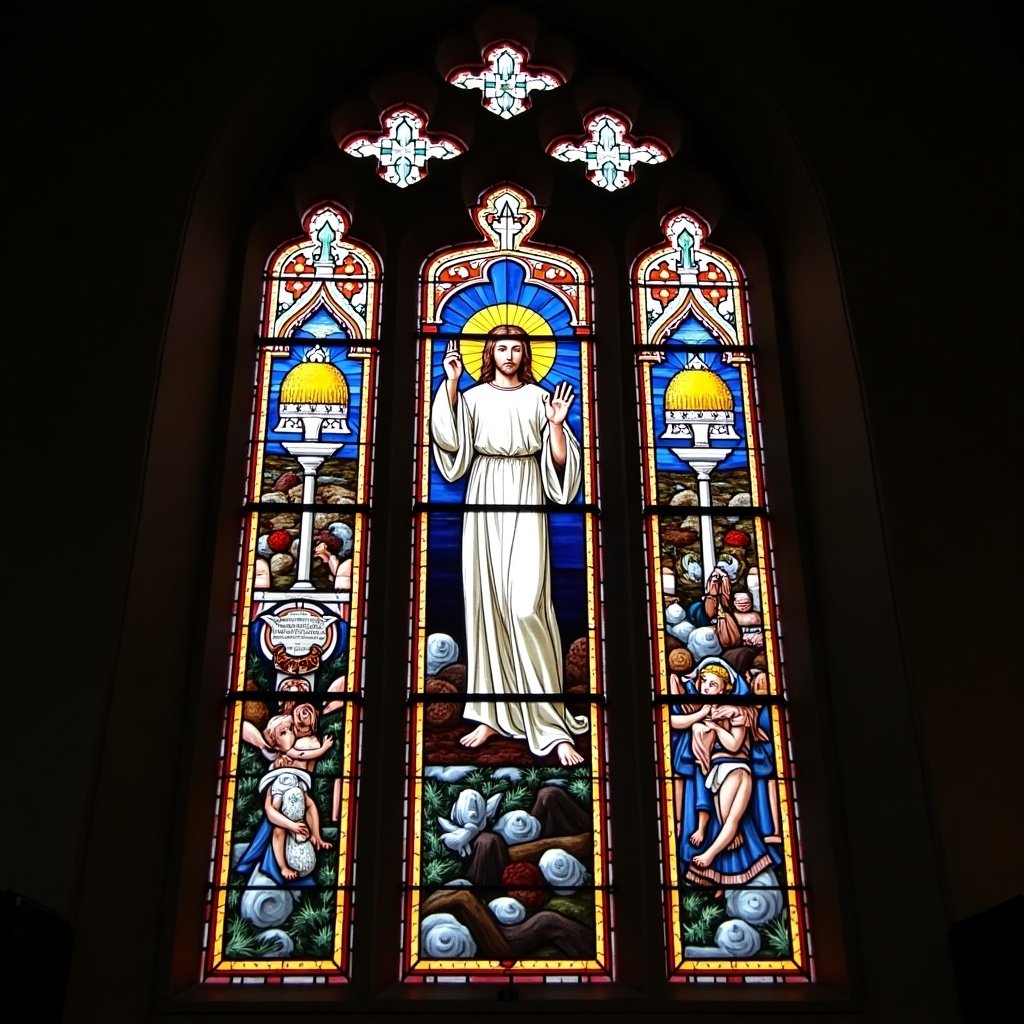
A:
507	858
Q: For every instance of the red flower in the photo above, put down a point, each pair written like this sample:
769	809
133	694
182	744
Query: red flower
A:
662	278
279	540
715	276
524	882
737	539
297	266
349	266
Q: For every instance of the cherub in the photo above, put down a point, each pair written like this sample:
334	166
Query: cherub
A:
289	808
722	736
291	737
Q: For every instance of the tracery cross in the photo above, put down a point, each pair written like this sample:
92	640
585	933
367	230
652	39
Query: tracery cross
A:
403	151
506	223
504	81
610	155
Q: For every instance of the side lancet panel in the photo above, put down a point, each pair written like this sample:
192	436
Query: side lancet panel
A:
730	843
283	859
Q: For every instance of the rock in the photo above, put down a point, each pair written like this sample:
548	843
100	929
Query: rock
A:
577	663
454	673
438	713
680	660
281	564
286	481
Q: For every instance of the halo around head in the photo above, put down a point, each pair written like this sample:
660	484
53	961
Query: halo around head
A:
514	315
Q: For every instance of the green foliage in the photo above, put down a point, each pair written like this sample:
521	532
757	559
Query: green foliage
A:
516	798
440	870
776	937
259	670
700	914
433	797
691	904
432	846
241	942
439	865
337	666
580	790
248	799
309	916
311	925
247	786
579	908
323	941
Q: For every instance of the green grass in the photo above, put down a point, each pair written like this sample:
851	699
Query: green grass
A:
701	913
776	937
517	798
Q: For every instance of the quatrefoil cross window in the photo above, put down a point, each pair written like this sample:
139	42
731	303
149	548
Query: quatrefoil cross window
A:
505	81
608	151
404	148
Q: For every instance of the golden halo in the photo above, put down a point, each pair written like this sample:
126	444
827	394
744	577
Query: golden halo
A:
514	315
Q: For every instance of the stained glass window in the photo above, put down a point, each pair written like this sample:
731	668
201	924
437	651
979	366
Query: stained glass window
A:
506	857
507	840
404	148
731	857
283	858
607	151
505	80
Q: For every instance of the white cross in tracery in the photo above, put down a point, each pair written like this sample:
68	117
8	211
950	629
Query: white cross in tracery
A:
403	151
504	81
506	223
609	154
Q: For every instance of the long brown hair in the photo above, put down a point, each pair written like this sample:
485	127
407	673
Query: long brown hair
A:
487	367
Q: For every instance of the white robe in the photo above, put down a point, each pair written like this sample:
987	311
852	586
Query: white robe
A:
500	437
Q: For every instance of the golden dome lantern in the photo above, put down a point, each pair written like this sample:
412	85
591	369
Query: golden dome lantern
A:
314	398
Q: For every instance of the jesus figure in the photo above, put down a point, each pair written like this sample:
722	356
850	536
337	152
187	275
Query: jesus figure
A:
511	437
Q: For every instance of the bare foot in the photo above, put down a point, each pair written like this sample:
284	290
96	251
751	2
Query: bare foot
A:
568	754
697	838
736	843
289	873
774	840
702	860
479	735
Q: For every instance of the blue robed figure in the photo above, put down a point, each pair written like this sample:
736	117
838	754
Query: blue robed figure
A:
722	755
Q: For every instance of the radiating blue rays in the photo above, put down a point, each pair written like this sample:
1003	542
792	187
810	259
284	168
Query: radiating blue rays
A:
505	282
